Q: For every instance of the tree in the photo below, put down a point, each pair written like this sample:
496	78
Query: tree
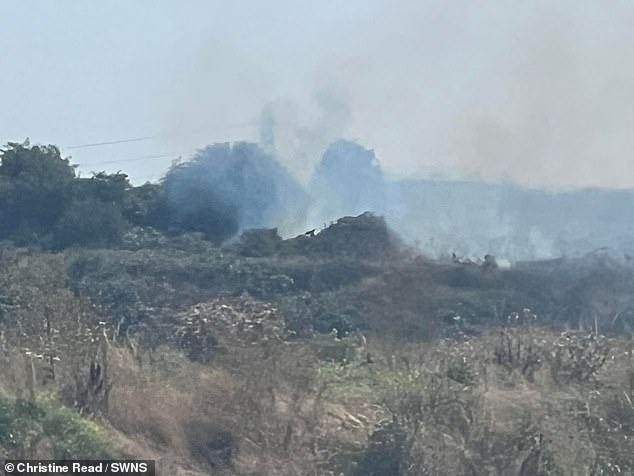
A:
94	215
107	188
34	189
142	206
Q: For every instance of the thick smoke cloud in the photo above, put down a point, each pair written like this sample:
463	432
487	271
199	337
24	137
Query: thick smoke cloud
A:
347	181
524	104
227	188
471	218
539	93
299	135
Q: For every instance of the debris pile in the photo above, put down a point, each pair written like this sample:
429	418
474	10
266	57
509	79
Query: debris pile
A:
363	236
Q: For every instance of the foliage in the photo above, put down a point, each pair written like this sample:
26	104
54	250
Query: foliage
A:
518	348
34	189
259	242
365	236
18	419
460	373
89	222
142	206
578	356
331	348
196	339
385	454
102	187
94	217
42	202
252	354
613	436
72	436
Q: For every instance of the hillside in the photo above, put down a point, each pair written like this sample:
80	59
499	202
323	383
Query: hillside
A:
354	238
338	353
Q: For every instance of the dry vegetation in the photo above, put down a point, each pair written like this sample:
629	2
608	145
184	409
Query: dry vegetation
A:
211	362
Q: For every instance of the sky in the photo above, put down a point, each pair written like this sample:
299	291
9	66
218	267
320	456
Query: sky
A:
539	93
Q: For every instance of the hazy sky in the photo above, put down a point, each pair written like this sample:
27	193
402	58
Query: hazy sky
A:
538	92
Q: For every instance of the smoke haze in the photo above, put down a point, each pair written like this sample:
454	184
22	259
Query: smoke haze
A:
540	94
537	95
513	99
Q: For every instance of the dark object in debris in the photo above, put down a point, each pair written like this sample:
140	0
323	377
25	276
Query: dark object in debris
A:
364	236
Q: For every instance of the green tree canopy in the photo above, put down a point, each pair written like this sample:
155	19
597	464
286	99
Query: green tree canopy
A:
34	188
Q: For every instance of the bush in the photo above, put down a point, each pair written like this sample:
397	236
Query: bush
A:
17	420
385	454
338	273
460	373
366	236
142	206
34	189
333	349
578	356
89	223
519	348
42	202
259	242
72	436
106	188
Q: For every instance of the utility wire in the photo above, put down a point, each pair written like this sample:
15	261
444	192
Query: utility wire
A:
157	136
112	142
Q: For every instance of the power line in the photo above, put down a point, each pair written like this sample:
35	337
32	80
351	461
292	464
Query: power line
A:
112	142
157	136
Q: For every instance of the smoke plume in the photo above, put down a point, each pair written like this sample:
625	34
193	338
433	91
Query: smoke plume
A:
227	188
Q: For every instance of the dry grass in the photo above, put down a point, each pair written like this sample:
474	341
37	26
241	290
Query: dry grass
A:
260	403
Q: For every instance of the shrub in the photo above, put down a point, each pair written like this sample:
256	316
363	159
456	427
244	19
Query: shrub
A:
72	436
259	242
89	222
518	348
460	373
142	206
34	189
578	356
386	452
333	349
106	188
17	420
